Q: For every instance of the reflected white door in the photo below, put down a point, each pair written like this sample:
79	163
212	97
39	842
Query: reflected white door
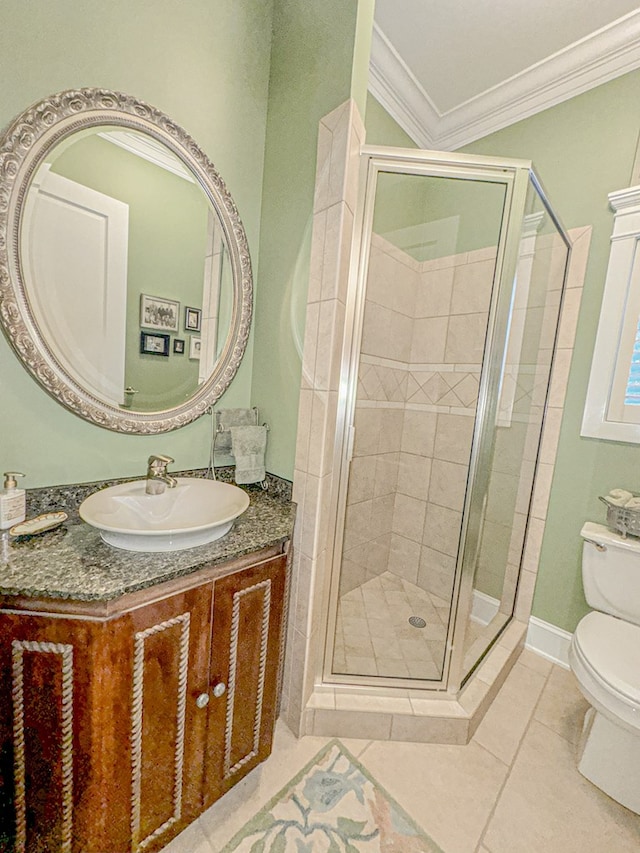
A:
77	254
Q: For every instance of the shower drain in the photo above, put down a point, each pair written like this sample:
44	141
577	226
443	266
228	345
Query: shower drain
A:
417	622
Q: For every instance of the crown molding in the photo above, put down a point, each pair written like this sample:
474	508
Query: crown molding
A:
394	86
583	65
149	149
627	200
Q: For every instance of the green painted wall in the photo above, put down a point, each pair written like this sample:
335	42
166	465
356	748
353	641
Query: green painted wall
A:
311	74
204	63
582	149
382	129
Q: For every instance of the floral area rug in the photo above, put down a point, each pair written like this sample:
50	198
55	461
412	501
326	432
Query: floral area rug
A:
332	806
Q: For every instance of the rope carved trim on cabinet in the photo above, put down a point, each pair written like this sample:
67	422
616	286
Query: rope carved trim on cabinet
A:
137	702
233	662
19	647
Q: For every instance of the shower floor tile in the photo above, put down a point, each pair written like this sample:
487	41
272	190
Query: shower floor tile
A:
374	637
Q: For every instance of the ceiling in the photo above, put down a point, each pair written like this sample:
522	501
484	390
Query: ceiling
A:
453	72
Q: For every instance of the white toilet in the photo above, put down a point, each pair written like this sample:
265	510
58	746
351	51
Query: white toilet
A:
605	658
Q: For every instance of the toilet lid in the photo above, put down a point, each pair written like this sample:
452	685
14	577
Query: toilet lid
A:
610	647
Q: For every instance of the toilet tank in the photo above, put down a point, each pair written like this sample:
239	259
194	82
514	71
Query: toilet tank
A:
611	572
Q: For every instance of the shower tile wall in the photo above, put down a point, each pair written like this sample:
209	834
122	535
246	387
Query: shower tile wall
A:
379	416
423	337
340	138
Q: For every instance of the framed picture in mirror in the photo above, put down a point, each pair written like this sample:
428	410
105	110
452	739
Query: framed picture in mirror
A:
194	347
178	346
154	344
192	319
159	313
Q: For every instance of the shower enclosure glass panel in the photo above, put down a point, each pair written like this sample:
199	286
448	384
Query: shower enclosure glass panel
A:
452	317
431	270
515	440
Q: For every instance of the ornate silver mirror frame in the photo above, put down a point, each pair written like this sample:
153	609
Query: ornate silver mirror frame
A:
24	145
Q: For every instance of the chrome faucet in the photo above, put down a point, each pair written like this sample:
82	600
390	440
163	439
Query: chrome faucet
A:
157	478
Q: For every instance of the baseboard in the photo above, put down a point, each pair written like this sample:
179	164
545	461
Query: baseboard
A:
548	641
543	638
483	607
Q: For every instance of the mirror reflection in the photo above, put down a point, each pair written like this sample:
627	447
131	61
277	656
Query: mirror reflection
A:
126	268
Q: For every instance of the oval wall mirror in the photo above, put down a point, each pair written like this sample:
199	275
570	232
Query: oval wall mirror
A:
125	277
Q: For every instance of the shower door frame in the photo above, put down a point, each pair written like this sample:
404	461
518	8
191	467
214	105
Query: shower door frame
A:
514	175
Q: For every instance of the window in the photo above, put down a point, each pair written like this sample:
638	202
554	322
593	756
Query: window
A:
612	409
632	393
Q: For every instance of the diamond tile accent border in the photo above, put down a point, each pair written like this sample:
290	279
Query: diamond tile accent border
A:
428	385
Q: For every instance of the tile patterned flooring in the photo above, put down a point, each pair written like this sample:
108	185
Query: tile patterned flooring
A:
374	637
513	789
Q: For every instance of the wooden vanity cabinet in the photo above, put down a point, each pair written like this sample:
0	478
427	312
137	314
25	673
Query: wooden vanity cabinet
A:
115	733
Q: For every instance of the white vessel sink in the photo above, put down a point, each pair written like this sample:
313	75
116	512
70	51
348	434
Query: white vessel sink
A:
193	513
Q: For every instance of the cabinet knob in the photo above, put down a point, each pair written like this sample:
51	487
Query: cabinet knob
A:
203	700
219	689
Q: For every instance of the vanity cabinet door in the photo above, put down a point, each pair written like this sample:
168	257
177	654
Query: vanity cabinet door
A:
101	735
50	710
245	657
163	720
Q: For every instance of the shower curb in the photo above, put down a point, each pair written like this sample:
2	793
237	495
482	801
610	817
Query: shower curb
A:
347	710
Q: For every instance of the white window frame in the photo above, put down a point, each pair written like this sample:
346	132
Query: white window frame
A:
606	415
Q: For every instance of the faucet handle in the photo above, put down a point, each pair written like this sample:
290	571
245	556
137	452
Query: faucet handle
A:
157	477
160	458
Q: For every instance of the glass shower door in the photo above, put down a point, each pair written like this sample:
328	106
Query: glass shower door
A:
434	255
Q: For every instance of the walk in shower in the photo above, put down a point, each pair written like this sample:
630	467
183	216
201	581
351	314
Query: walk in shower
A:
451	322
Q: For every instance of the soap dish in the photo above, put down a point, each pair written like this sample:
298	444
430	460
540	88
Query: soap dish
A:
39	524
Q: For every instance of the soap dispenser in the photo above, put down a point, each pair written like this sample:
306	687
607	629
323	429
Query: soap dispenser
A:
13	501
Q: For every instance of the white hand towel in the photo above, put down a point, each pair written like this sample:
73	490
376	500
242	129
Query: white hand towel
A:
248	444
633	503
619	497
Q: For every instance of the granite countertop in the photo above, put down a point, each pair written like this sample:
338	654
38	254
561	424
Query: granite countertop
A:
73	563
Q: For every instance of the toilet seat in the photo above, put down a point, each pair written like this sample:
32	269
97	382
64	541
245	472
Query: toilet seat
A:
605	658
